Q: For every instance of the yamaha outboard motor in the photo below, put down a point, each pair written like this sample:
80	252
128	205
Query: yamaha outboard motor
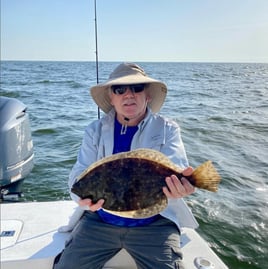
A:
16	147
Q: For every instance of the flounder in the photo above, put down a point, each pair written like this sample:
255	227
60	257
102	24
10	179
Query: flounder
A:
131	182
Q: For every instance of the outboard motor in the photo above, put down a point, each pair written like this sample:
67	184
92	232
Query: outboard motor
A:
16	148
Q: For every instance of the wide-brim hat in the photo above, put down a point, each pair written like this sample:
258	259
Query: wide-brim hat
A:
127	74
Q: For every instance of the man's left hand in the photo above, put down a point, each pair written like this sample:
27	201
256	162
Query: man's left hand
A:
178	188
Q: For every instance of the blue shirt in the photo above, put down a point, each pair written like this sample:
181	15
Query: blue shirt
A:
123	136
122	142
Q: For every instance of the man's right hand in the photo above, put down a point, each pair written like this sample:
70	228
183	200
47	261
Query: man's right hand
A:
92	207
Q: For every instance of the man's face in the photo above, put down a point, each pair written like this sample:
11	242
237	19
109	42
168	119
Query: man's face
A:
129	102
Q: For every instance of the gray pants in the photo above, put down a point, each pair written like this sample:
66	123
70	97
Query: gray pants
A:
94	242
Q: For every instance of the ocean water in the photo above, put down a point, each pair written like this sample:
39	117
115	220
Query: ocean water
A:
222	109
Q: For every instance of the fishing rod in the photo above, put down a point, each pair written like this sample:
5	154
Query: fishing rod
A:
96	49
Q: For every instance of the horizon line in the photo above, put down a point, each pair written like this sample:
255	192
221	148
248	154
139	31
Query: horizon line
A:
140	61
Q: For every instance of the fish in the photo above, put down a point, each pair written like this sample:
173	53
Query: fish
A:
131	183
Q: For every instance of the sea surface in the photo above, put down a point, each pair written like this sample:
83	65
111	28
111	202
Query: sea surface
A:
222	109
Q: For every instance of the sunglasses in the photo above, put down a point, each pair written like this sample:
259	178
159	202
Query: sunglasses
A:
121	89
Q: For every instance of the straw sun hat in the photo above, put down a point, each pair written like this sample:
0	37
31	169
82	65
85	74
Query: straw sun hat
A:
126	74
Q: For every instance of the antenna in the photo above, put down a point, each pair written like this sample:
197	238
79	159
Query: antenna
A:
96	51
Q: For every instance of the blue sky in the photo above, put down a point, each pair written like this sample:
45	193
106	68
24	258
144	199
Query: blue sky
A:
135	30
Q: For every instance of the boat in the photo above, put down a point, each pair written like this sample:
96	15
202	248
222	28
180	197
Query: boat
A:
34	233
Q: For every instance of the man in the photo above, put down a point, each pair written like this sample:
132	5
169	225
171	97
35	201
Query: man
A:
130	100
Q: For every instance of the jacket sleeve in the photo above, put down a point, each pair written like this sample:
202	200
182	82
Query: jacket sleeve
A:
173	146
177	210
87	155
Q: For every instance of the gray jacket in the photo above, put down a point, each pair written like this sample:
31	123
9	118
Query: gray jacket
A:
154	132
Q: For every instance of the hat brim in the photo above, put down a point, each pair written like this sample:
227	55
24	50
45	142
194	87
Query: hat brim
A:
156	89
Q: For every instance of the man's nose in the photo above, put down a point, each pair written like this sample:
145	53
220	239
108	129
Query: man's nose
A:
128	91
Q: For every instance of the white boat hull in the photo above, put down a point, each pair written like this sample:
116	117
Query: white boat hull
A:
30	239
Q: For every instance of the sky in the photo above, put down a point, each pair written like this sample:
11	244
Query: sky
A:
135	30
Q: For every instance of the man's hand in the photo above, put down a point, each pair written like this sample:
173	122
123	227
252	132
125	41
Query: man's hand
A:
179	188
92	207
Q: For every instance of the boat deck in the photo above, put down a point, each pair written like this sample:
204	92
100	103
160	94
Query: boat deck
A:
30	238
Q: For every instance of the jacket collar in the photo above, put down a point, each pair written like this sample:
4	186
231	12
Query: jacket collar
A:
108	129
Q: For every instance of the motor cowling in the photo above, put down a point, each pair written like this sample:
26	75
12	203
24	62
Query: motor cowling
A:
16	146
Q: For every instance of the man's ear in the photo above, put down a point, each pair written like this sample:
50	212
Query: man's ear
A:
148	99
